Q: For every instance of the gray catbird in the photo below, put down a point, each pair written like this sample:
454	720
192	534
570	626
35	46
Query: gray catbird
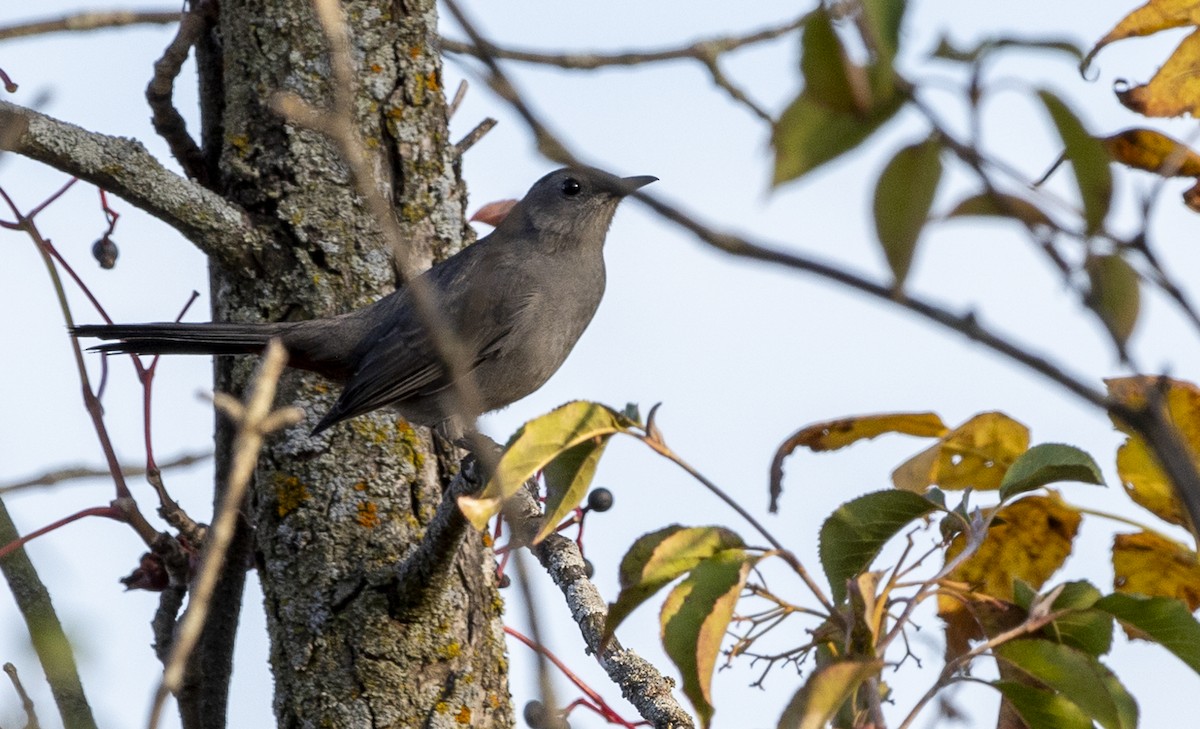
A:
518	300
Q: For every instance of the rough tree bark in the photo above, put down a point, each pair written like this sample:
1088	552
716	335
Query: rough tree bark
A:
334	514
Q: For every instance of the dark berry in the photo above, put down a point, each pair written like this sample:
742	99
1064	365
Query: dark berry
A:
105	252
589	569
600	499
503	581
535	714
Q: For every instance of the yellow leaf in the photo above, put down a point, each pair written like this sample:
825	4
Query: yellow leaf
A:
1147	149
1175	89
1152	565
1137	468
1029	542
976	454
1152	17
1146	484
833	434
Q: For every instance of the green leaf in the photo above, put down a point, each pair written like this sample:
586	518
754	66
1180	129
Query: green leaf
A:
694	618
830	79
1083	628
1165	620
883	19
568	477
815	704
946	50
853	534
1077	676
1049	463
1089	159
1001	205
1114	295
903	197
1090	631
808	135
536	444
657	558
1042	709
1023	594
1076	595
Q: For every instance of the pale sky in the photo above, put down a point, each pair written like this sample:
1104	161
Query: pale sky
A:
739	353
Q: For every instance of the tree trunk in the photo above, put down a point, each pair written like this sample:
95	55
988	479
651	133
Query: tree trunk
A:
332	515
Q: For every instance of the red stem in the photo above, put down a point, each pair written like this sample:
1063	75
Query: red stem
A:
598	704
108	511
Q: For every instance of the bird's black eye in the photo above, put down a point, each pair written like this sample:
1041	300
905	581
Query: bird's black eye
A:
571	187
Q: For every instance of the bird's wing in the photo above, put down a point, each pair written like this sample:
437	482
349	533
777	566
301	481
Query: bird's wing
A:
402	362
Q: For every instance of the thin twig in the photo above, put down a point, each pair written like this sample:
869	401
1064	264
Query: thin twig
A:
90	20
72	473
786	554
31	720
459	95
1031	625
124	500
167	120
474	135
700	50
255	420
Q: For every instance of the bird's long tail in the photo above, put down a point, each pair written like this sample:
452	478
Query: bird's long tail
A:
169	338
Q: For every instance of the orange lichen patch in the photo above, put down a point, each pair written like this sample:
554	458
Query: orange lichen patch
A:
360	486
289	494
463	716
368	514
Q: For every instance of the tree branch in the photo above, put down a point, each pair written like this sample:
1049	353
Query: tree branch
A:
700	51
71	473
49	641
168	122
641	683
84	21
124	167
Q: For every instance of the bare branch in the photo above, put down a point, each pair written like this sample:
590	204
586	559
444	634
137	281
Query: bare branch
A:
124	167
31	720
474	135
72	473
640	682
45	631
706	52
90	20
168	122
700	51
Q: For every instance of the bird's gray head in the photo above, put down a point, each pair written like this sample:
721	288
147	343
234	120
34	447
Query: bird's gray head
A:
572	205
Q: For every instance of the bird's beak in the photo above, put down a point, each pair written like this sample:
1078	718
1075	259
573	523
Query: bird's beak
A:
629	184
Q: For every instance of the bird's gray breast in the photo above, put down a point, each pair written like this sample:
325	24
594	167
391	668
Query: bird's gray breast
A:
546	310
